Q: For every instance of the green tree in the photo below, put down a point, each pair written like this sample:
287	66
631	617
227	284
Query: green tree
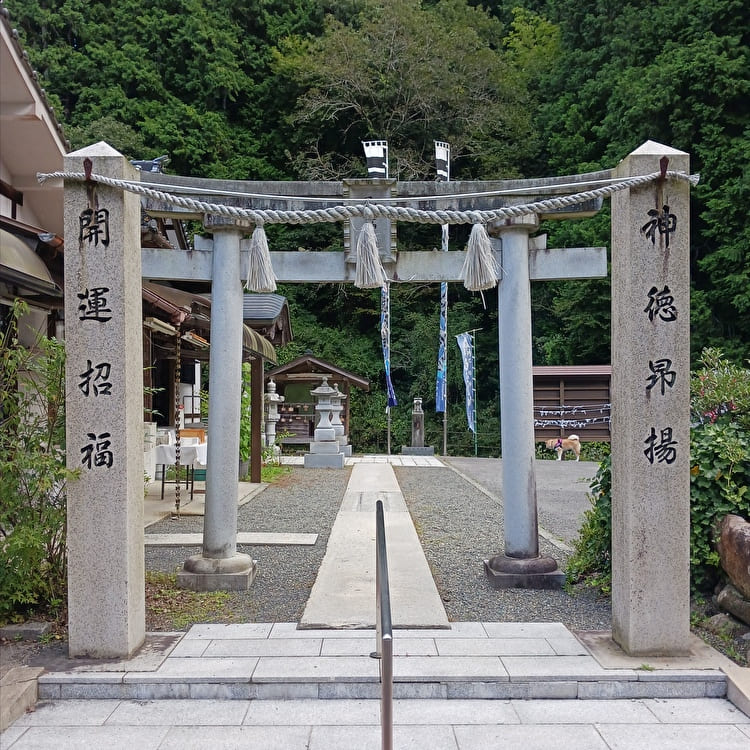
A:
675	72
409	73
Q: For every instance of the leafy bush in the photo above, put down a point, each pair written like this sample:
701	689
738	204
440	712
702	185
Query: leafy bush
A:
245	419
591	563
32	473
719	477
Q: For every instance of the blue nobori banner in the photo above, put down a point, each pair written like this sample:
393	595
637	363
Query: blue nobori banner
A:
385	336
466	345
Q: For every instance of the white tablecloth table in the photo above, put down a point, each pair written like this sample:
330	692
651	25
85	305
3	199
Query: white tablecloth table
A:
190	456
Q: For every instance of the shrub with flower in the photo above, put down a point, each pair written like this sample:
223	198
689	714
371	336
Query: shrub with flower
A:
719	477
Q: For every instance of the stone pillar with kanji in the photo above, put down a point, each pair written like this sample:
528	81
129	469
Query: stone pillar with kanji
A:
651	406
104	408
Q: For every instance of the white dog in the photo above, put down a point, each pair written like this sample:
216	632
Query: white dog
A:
560	445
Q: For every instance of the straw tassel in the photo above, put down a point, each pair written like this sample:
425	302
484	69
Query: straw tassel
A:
370	271
480	269
260	275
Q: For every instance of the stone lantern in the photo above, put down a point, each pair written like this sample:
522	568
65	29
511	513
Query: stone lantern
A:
325	452
338	426
272	400
417	447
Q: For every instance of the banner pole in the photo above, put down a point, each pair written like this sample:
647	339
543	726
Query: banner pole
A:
442	164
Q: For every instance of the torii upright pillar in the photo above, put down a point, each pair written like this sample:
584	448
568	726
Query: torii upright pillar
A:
520	565
219	566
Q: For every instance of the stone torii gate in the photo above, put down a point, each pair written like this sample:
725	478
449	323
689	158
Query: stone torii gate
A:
649	346
521	258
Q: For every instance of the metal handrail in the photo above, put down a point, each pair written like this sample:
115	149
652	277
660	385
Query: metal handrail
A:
383	629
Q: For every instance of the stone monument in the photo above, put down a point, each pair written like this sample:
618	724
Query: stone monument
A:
417	447
104	425
651	406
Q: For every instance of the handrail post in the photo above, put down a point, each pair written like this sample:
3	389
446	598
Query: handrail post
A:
383	630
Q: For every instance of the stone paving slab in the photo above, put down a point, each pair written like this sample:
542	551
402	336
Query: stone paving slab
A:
448	669
230	669
237	738
538	737
297	647
365	646
316	669
267	538
493	647
704	724
673	737
343	595
577	668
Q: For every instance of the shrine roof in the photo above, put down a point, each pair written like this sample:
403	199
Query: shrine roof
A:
192	311
308	365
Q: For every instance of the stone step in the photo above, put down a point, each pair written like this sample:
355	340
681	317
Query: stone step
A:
470	660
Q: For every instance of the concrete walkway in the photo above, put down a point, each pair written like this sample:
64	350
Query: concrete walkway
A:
343	595
467	686
155	508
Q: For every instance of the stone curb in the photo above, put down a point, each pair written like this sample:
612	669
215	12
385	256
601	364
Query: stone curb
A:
19	690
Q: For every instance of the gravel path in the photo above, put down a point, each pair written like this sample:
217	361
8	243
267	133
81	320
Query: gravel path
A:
307	500
460	527
458	524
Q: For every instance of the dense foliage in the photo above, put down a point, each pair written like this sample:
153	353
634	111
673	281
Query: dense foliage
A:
719	477
32	473
282	89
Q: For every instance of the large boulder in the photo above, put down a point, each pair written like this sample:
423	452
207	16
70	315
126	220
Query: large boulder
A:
734	552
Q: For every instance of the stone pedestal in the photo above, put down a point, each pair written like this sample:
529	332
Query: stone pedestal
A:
200	573
324	449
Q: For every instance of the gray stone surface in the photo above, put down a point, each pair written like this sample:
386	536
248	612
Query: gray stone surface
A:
106	601
650	413
731	600
344	591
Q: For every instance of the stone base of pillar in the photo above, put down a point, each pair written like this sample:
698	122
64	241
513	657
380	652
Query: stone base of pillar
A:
505	572
324	461
423	450
235	573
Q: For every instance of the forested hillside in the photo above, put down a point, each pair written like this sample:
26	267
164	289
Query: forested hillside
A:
284	89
